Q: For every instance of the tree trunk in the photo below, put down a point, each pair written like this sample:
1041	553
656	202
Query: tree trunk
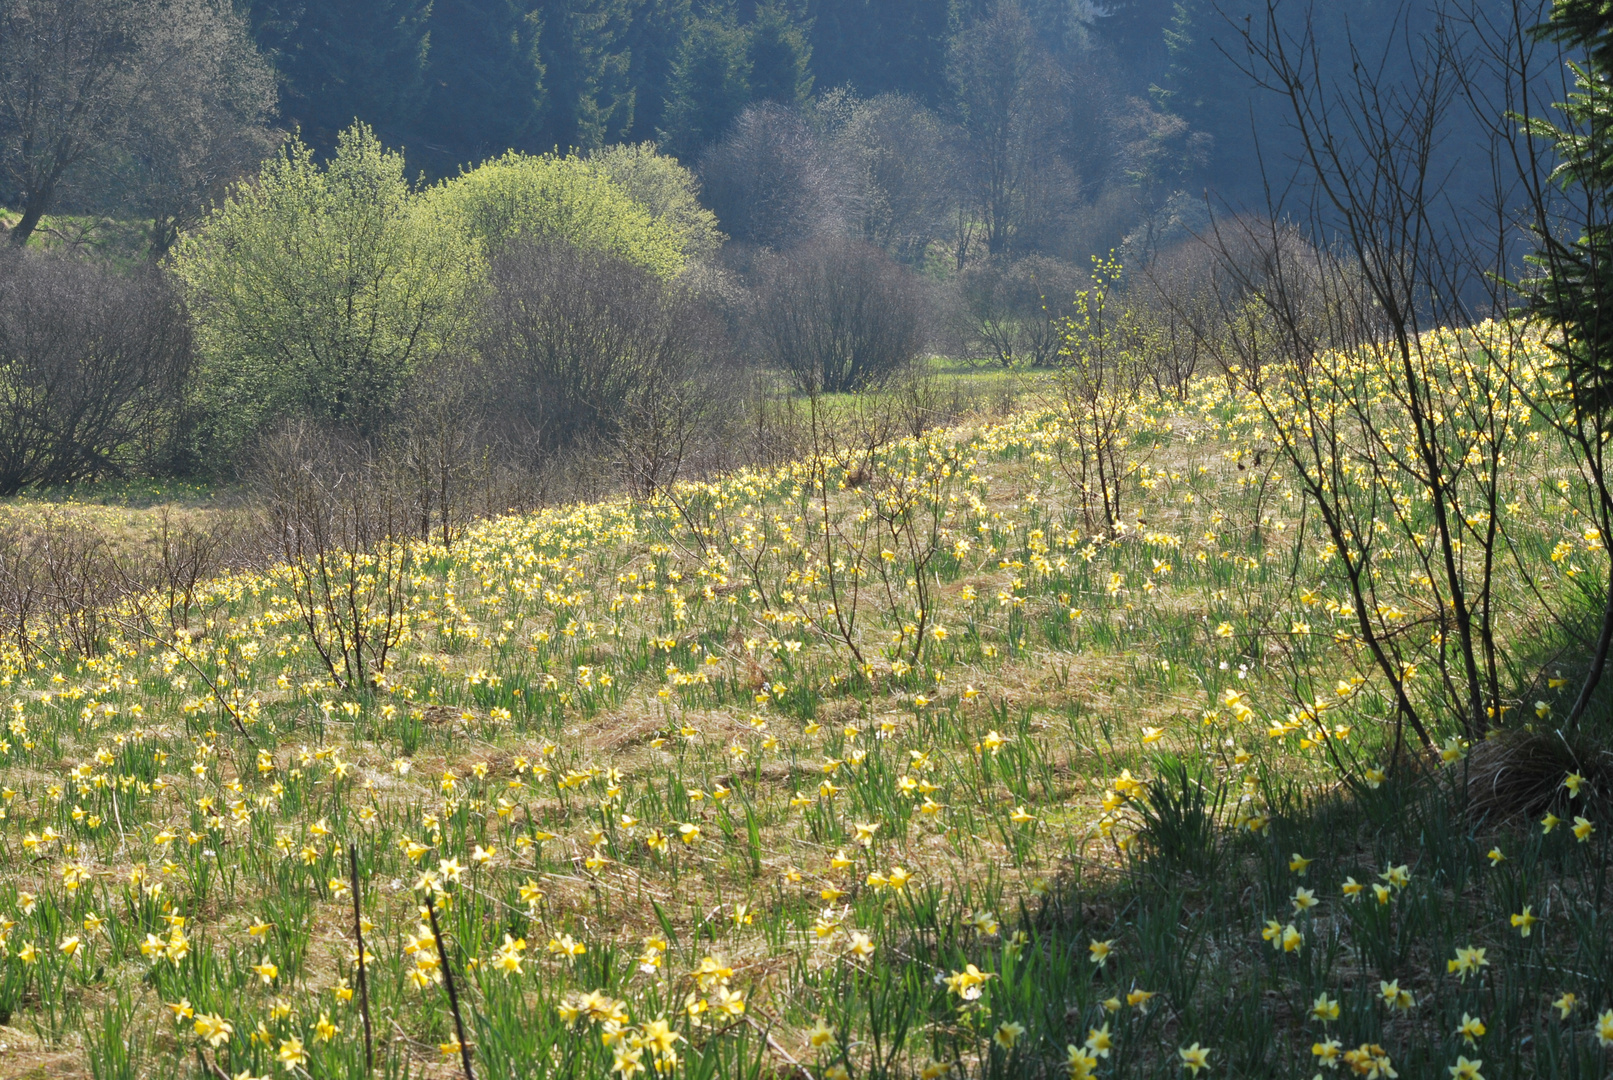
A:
33	209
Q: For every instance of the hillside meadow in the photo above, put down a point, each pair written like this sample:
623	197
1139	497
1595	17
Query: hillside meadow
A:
910	759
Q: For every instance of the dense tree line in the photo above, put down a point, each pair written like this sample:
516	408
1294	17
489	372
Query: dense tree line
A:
357	206
1130	111
454	81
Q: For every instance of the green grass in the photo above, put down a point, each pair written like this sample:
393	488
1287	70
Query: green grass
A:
138	493
119	243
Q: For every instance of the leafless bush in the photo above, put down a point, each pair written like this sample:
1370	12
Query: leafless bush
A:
580	345
56	576
345	538
837	315
1013	311
91	370
189	552
437	455
66	582
1205	303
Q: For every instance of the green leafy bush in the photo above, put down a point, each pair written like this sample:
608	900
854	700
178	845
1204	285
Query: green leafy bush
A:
553	198
317	289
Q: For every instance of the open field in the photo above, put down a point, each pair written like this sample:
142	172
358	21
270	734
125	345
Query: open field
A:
893	762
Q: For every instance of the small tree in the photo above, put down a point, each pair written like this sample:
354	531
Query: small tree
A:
343	531
318	290
770	181
1098	381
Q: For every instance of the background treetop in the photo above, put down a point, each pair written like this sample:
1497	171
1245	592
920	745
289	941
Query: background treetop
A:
549	197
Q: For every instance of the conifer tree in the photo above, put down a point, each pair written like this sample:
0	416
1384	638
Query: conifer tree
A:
710	84
485	90
583	48
346	59
780	56
653	45
879	46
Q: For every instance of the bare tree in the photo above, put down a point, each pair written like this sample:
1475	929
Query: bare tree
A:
770	181
437	452
1097	386
837	315
199	119
91	370
899	156
344	536
64	70
1009	127
170	90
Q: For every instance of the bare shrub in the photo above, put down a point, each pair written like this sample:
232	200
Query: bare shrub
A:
837	315
345	539
91	369
437	456
56	576
1014	311
578	345
189	551
67	582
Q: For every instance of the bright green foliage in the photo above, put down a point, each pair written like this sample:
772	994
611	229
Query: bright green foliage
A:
1574	287
318	289
548	197
667	190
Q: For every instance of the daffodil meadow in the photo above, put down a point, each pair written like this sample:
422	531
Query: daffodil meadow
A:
907	761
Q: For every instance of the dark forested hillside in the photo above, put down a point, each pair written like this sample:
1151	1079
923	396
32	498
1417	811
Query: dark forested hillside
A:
457	79
1149	87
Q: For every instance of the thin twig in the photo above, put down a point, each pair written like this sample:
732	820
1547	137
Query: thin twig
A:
773	1045
363	983
448	981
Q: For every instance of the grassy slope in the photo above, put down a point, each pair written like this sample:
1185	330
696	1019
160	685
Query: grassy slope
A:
620	740
121	244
